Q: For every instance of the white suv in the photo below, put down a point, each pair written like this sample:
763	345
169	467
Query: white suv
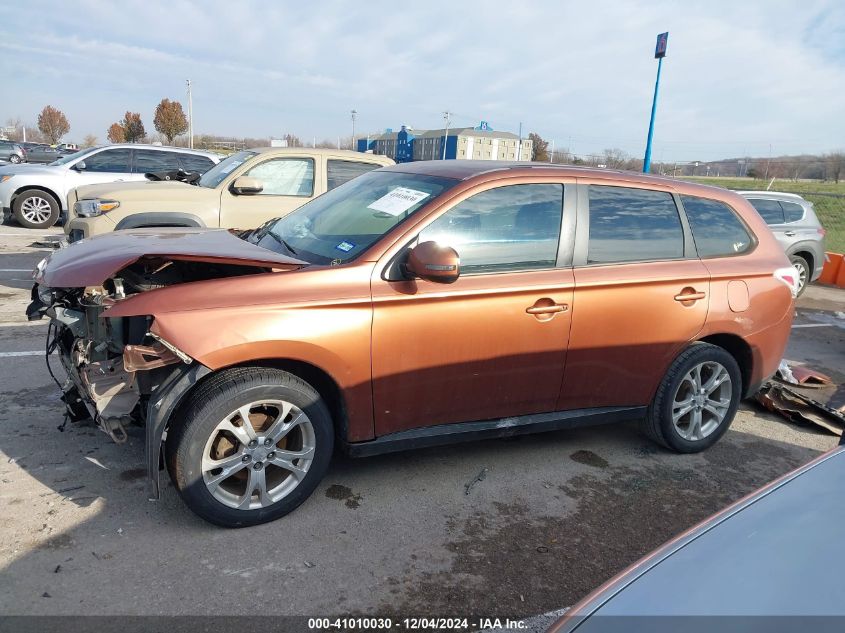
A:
36	195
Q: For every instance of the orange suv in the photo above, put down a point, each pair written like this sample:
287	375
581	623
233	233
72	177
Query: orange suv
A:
417	305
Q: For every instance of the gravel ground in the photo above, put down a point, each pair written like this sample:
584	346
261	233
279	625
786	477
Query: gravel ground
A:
555	516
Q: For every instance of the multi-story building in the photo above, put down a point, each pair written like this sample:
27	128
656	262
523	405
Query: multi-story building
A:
479	143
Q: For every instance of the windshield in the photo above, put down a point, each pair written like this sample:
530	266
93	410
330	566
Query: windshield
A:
64	160
216	174
343	223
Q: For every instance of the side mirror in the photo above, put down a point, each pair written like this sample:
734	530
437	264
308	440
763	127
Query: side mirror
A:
246	186
433	262
80	166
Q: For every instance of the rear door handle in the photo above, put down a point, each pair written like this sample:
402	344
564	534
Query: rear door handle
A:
789	233
692	296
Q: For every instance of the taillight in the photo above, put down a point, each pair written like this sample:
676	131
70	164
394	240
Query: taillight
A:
788	276
821	231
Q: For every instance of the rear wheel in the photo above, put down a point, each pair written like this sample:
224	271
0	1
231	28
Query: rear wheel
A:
696	400
14	158
36	209
254	444
803	268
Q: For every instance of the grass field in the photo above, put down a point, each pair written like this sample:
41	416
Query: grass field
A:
829	208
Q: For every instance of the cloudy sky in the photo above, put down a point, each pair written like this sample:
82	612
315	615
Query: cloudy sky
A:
739	76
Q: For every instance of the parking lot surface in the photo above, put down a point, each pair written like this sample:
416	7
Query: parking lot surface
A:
501	527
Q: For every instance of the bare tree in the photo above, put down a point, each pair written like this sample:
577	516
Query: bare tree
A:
835	163
53	123
89	141
615	158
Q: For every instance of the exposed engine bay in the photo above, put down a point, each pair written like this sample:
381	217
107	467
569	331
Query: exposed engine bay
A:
113	365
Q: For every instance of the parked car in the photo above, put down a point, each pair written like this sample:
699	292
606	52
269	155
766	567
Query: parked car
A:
417	305
68	147
12	152
35	195
775	553
244	190
39	153
797	228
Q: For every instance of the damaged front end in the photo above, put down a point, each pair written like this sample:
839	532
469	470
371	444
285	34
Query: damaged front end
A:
113	365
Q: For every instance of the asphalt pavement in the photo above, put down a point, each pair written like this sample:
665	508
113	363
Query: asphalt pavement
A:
554	515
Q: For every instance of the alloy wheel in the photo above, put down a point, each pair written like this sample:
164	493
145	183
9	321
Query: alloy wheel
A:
702	401
36	209
802	274
258	454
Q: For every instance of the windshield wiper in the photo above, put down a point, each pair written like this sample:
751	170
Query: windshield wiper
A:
279	240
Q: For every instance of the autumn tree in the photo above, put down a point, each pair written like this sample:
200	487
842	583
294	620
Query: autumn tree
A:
116	133
170	119
133	127
53	123
539	147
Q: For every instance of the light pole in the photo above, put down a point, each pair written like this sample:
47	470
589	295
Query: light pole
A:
190	116
659	54
447	116
354	114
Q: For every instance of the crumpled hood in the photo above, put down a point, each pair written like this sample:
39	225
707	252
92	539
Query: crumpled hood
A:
90	262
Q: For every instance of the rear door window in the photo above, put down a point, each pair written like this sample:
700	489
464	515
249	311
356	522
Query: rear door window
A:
631	225
792	211
109	160
769	210
341	171
716	229
148	161
195	163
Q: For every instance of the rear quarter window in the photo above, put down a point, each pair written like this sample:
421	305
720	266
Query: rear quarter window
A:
195	163
716	229
792	211
769	210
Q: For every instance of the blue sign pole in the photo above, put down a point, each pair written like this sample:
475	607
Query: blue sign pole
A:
659	53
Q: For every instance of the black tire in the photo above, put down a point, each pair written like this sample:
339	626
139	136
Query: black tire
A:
801	264
658	423
36	196
213	401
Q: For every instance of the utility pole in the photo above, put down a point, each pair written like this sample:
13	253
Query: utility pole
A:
552	153
659	54
447	116
190	116
768	160
354	114
519	144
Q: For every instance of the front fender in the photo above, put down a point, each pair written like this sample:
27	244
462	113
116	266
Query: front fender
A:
162	405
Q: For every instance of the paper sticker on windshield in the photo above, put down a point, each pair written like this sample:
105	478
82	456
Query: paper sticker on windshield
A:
398	201
345	246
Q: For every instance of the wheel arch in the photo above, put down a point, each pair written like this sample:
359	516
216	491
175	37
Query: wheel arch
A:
807	255
154	219
24	188
741	352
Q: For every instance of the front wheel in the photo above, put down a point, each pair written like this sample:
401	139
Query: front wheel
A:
14	158
35	209
696	400
253	445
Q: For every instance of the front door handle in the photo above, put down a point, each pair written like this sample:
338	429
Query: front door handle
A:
789	233
689	296
546	308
